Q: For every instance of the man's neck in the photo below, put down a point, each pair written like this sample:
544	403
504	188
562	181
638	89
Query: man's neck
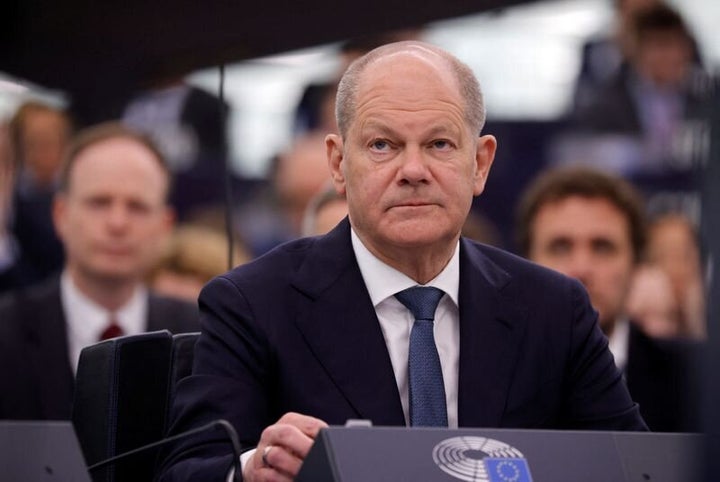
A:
607	327
111	294
420	264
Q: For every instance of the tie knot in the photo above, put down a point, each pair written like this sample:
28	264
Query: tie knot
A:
421	301
112	330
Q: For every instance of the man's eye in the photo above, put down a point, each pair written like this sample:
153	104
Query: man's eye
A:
441	144
559	247
97	202
379	145
138	207
604	247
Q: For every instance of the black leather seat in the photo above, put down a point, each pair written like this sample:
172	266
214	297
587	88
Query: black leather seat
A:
122	394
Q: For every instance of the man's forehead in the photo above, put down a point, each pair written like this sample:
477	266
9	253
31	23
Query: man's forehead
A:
116	155
409	79
555	211
120	143
116	151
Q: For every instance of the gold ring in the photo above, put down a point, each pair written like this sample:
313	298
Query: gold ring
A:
265	453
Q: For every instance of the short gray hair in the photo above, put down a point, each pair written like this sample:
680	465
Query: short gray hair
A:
468	84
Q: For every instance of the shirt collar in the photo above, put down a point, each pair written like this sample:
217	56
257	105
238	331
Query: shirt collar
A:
87	319
619	341
383	281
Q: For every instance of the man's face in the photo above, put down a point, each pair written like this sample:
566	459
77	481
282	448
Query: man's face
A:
44	137
587	239
113	218
409	165
665	58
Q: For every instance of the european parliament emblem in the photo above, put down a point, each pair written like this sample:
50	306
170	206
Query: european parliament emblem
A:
507	470
480	459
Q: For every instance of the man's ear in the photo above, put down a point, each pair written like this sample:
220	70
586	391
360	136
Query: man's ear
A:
169	218
484	156
59	215
335	156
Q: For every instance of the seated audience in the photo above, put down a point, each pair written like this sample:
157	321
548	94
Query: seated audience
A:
673	246
651	302
39	135
325	210
193	255
189	126
590	225
658	102
606	57
8	266
112	216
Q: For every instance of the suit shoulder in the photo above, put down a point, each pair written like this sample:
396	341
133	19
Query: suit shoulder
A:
516	266
15	303
273	266
524	279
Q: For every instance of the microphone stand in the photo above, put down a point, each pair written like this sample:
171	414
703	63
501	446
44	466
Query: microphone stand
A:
222	424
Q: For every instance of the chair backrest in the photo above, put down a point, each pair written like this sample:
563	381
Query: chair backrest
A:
122	393
181	362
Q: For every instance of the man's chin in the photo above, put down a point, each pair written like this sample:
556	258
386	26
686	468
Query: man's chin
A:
112	275
419	239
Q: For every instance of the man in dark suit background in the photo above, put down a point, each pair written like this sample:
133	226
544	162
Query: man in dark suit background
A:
112	216
652	110
318	331
590	225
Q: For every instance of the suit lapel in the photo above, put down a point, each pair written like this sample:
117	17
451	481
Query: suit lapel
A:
47	354
492	324
158	316
339	324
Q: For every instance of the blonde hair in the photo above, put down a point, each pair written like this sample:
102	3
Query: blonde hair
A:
199	251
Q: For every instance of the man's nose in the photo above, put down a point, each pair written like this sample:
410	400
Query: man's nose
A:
414	168
580	266
117	217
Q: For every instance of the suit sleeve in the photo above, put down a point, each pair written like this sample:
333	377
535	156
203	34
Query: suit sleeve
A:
230	381
597	397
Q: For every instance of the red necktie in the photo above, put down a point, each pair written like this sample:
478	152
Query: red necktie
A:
112	330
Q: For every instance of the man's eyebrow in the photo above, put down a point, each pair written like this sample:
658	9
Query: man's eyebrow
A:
560	239
384	129
441	129
381	127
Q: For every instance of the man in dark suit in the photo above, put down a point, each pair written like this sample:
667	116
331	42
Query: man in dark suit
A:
189	126
39	134
326	329
590	225
112	217
657	104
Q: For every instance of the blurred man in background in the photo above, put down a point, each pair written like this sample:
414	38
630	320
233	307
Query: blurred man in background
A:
590	225
112	216
39	135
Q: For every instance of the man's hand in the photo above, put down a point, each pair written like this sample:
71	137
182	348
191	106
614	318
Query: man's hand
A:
282	448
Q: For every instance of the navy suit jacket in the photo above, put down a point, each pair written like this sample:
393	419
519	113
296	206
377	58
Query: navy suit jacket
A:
664	376
36	380
296	331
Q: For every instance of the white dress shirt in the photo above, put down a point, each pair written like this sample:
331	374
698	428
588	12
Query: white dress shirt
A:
86	320
396	321
619	342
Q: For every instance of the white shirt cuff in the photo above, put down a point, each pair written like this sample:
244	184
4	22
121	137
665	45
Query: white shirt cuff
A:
244	458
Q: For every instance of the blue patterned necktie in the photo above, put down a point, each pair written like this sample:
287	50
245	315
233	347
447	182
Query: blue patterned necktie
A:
427	392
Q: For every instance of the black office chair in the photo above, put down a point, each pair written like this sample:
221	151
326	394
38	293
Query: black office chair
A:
122	393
